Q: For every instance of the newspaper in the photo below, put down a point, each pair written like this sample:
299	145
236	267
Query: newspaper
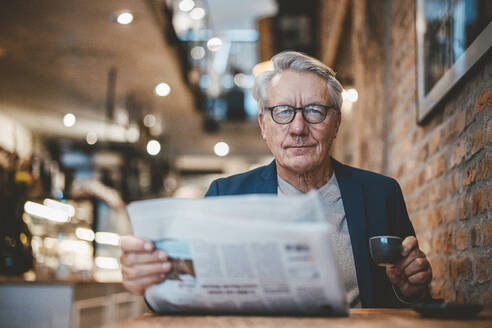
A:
251	254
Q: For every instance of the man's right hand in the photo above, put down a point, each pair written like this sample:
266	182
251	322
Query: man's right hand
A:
141	265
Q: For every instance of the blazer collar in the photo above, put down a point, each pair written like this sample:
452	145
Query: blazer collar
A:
352	192
268	177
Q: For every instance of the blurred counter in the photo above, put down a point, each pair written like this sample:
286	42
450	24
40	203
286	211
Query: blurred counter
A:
65	303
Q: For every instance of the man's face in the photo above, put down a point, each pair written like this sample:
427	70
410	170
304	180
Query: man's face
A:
299	147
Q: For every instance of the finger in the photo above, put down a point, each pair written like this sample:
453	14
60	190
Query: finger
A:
143	270
417	265
138	286
420	278
408	244
415	253
134	244
133	258
393	275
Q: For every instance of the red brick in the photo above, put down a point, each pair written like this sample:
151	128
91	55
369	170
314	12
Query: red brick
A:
485	167
487	233
484	100
403	129
463	208
435	143
428	172
459	152
451	131
477	143
412	205
416	221
435	217
478	202
460	241
489	132
443	189
418	134
482	269
451	211
459	122
424	153
421	178
438	238
469	174
439	269
461	268
439	166
453	183
475	235
447	245
423	198
470	115
434	192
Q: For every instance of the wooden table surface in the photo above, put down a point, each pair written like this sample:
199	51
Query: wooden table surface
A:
358	318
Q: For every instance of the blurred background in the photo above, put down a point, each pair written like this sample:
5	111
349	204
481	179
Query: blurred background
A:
107	102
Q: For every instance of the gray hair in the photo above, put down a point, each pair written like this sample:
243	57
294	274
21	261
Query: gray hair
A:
292	60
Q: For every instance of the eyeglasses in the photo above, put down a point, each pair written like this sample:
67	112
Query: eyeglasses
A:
313	113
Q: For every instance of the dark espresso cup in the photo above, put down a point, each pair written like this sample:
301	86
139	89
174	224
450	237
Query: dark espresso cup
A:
385	250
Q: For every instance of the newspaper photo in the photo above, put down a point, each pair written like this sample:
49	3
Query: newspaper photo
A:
251	254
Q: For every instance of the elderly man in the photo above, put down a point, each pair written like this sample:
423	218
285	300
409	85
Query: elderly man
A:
299	116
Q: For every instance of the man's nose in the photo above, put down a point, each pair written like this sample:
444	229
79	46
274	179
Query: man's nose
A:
298	124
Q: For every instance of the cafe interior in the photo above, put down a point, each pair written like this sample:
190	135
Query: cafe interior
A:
103	103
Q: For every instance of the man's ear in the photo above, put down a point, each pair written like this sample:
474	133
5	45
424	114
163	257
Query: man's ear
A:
261	123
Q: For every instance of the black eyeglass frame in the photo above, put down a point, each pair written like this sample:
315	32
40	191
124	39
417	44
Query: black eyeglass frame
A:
327	108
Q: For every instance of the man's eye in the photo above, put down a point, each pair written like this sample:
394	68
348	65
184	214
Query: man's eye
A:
314	110
283	111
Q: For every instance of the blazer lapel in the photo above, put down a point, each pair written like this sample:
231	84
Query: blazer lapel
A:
268	180
353	203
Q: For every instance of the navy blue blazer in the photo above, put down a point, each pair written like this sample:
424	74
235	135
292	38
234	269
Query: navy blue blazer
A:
373	206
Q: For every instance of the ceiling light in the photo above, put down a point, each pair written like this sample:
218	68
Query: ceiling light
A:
108	238
149	120
197	52
45	212
84	234
351	95
69	120
162	89
221	148
153	147
186	5
214	44
69	209
132	134
125	18
197	13
91	138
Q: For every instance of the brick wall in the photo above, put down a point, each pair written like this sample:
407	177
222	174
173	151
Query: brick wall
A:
444	166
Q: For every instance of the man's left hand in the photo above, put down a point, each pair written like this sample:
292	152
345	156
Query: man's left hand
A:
412	273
